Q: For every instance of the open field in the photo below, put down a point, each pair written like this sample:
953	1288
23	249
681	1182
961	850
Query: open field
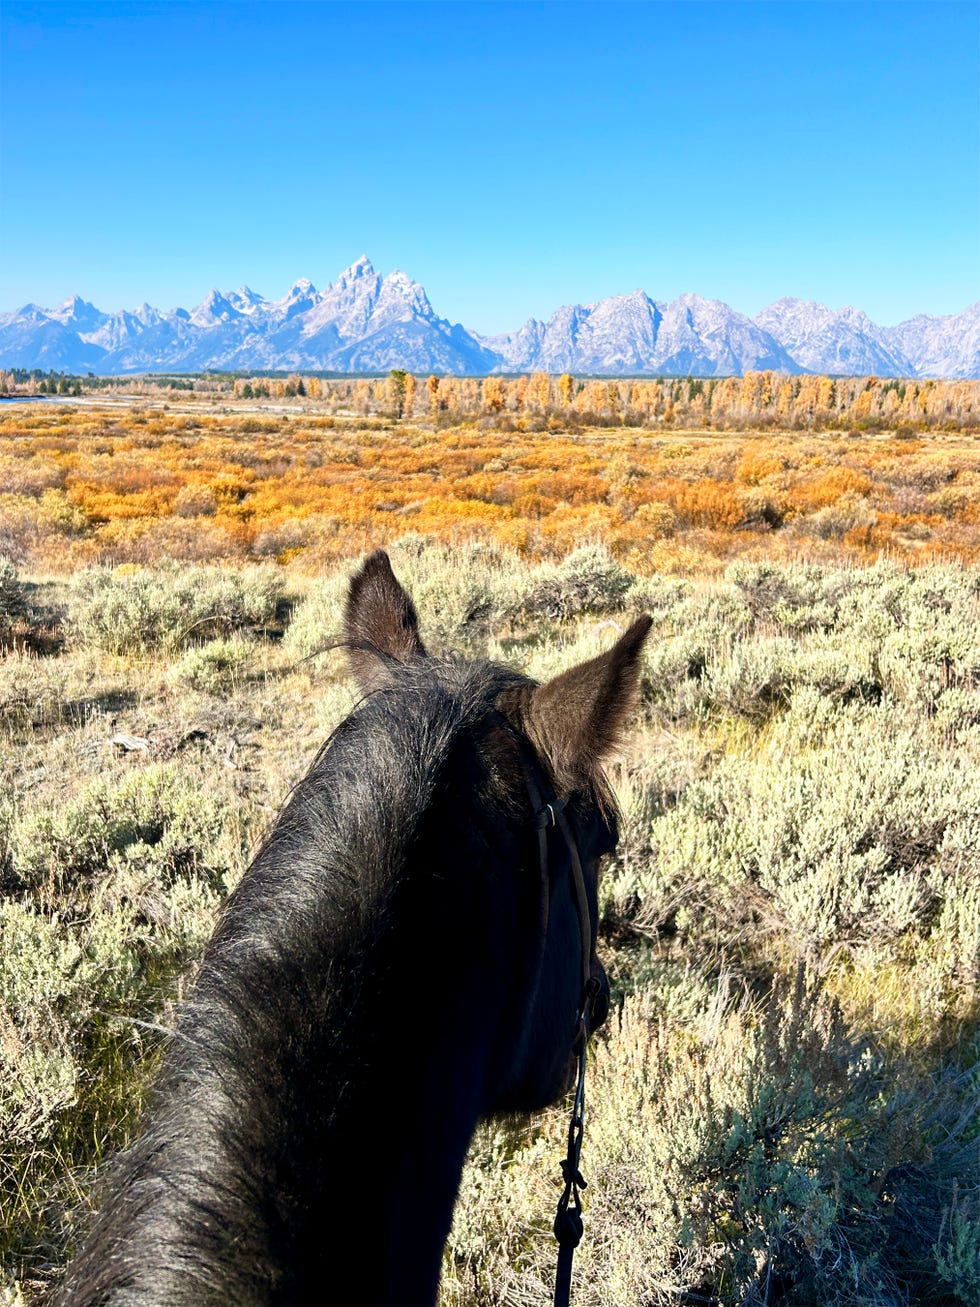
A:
784	1109
82	485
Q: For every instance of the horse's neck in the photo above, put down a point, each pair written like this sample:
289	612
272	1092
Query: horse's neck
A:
316	1109
391	1171
333	1185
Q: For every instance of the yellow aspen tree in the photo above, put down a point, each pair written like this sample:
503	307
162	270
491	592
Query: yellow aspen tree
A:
593	398
724	400
751	397
539	390
965	398
646	398
746	395
825	394
566	388
410	385
806	399
520	393
493	394
432	390
862	405
931	399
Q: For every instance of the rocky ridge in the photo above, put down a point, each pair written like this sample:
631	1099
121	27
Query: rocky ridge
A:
367	322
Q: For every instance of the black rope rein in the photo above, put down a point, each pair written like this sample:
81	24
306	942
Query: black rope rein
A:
568	1225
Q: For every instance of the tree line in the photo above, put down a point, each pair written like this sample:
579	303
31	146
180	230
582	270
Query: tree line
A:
756	400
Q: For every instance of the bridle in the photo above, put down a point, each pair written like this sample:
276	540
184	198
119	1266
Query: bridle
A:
548	813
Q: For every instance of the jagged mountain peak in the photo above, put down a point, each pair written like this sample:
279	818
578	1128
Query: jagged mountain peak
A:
360	269
214	308
79	315
842	341
399	278
246	300
404	294
941	346
299	299
73	304
365	321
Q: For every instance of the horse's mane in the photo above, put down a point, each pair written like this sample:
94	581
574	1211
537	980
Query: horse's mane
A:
320	890
341	837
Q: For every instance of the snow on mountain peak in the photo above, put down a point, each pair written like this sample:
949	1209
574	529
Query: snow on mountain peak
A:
78	314
360	268
246	300
213	308
368	322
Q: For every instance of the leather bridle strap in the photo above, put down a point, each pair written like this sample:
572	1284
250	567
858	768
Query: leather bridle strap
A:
568	1224
552	813
581	897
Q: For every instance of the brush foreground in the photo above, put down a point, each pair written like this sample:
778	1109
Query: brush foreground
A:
783	1107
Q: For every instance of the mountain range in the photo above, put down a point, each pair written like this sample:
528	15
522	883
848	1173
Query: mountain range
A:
366	322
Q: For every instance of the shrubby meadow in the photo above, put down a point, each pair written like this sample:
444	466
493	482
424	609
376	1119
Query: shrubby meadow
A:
783	1107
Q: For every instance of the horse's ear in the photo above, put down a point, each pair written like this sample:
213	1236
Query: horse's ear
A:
576	720
380	623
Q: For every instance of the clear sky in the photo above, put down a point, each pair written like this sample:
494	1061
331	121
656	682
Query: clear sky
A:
511	157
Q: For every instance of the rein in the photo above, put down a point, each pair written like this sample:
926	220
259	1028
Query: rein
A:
568	1224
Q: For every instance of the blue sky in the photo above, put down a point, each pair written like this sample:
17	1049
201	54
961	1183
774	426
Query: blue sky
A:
511	157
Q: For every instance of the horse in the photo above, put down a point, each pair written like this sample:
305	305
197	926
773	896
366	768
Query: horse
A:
403	958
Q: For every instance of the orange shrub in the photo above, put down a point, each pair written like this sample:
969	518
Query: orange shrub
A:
705	503
827	488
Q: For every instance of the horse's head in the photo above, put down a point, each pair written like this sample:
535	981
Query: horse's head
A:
535	756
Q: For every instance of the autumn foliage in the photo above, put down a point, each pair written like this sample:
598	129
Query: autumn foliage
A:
80	485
